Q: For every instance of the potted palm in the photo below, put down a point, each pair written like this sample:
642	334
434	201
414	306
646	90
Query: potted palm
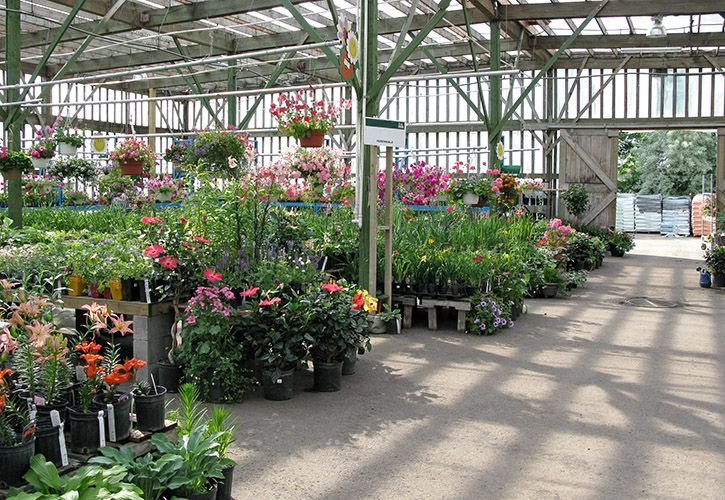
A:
13	164
300	116
134	156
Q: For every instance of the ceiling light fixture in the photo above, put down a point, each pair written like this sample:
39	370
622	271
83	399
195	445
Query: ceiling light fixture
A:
658	29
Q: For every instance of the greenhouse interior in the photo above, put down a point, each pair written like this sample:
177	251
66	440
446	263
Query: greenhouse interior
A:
390	249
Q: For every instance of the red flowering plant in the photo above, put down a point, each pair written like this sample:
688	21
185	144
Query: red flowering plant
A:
179	258
341	315
16	426
416	184
276	324
507	192
299	114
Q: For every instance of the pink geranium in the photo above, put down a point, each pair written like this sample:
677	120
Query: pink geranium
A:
168	262
212	275
153	251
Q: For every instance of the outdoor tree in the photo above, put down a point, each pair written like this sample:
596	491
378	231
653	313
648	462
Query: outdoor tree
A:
668	163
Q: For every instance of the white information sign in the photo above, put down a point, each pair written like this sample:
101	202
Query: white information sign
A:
384	133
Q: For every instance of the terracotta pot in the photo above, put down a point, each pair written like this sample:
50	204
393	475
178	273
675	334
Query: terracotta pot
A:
314	140
132	167
76	286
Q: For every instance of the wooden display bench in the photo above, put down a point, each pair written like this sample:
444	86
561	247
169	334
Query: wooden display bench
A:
408	302
151	325
461	306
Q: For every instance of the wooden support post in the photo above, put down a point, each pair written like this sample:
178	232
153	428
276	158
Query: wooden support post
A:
152	119
720	172
373	220
14	125
389	226
494	96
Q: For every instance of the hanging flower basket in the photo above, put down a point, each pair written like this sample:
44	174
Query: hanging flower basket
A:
40	163
314	140
67	149
132	167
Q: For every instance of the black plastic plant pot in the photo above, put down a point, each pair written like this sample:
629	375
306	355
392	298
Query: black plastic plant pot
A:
550	290
15	462
150	410
43	412
121	416
349	366
85	432
328	376
169	375
216	393
130	290
147	292
392	326
616	251
280	387
718	280
224	486
210	494
47	443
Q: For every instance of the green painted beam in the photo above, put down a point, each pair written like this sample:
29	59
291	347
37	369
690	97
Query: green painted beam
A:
549	64
12	77
403	55
474	60
333	12
232	86
494	95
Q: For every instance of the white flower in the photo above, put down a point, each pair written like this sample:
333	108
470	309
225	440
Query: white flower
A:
353	48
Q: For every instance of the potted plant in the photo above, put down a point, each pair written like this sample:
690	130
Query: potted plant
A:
197	446
220	425
176	154
619	243
134	156
531	188
150	406
41	152
164	189
715	260
276	330
14	164
554	282
68	142
88	423
417	183
488	315
219	153
341	316
17	442
208	350
576	200
391	318
300	116
69	167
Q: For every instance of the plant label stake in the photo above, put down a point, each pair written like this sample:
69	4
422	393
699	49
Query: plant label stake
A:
148	292
111	423
153	383
55	420
32	410
101	430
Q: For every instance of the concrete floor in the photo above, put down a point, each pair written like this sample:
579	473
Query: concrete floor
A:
584	398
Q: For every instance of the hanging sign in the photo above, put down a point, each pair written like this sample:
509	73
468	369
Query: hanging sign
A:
100	145
499	150
384	133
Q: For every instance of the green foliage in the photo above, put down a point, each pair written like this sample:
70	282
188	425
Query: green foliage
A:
153	476
64	136
576	199
89	482
15	160
670	163
715	259
629	174
211	150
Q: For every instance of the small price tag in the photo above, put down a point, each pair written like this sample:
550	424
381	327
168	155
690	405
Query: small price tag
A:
55	420
147	288
32	410
101	429
111	423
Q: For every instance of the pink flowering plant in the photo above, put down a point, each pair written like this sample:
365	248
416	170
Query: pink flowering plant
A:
299	114
209	351
133	149
165	188
44	146
416	184
313	174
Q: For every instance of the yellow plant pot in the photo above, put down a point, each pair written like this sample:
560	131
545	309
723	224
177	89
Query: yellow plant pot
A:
76	286
116	289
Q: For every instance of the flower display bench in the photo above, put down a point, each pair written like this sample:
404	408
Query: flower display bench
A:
461	306
408	302
151	325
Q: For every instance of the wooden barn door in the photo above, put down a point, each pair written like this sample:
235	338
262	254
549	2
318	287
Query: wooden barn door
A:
589	158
